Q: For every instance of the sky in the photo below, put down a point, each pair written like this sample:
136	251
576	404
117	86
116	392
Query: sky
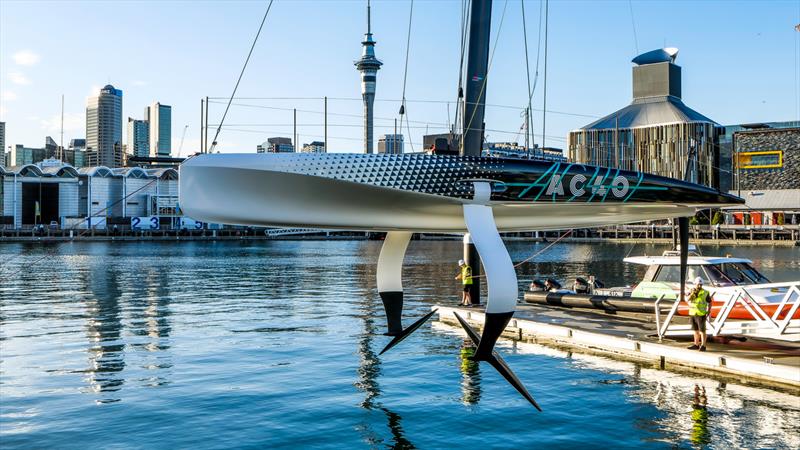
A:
739	59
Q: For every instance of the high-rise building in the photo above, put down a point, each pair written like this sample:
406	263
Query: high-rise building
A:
3	144
390	143
28	155
368	65
159	118
104	128
78	148
276	145
138	141
314	147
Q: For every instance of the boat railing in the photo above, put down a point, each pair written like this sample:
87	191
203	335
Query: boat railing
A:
778	325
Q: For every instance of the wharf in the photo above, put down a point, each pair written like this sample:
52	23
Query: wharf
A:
631	336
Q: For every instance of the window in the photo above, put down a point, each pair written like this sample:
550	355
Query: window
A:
672	274
742	273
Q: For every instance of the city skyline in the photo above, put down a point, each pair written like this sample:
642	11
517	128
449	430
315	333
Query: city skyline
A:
729	90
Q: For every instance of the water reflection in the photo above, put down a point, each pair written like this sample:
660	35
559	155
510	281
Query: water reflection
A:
369	369
470	374
103	330
150	324
700	434
743	416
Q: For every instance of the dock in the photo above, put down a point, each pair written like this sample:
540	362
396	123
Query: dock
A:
633	337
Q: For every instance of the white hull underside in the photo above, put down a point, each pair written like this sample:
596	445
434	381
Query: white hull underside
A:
262	197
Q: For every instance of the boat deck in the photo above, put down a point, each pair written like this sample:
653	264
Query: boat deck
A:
632	336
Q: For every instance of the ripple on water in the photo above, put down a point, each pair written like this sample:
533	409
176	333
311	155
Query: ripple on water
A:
269	344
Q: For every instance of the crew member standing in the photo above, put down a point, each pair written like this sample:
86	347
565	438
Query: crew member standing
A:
466	279
698	310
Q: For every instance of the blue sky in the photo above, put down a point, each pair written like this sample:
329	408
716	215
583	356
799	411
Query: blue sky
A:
739	60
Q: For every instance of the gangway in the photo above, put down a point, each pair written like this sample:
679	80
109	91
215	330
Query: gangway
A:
764	325
276	232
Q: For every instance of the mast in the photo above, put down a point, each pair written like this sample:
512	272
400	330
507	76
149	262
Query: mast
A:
477	67
474	108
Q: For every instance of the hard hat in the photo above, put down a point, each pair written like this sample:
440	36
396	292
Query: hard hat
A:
461	262
698	281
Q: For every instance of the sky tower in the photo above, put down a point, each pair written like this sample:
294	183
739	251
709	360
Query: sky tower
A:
368	65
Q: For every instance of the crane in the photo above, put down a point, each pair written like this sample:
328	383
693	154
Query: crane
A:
180	147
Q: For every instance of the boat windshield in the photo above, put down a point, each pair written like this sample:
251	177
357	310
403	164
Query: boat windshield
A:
741	273
710	274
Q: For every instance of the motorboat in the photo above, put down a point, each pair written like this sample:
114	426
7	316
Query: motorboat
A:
723	277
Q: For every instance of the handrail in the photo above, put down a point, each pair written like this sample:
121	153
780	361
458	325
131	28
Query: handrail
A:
769	324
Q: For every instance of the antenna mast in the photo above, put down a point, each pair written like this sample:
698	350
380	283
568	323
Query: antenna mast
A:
61	146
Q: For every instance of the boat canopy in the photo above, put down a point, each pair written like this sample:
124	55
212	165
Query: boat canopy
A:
676	261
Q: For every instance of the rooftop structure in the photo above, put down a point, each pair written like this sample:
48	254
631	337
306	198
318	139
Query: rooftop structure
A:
276	145
314	147
656	132
390	143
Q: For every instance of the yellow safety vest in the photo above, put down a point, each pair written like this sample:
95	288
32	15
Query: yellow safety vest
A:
698	304
466	275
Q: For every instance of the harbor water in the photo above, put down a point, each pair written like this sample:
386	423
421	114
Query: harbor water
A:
259	344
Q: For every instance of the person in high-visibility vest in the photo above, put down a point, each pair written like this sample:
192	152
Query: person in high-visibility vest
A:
698	311
466	279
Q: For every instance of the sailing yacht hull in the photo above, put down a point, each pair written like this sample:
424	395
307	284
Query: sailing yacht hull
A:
424	193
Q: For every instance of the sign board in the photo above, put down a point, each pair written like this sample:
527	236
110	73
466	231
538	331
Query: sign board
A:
191	224
761	160
144	223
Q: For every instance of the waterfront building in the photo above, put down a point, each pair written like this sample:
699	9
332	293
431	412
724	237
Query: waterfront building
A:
276	145
657	133
766	173
159	119
138	137
314	147
368	66
52	191
35	195
726	157
390	143
104	128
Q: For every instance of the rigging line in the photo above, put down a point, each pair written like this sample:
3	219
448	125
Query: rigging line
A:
565	234
633	25
405	70
493	105
309	111
486	78
528	120
241	74
544	95
460	93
